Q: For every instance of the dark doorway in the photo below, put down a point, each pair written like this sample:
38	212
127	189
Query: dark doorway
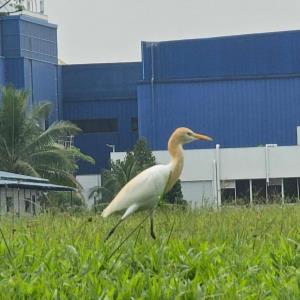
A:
228	196
242	192
274	190
290	190
259	191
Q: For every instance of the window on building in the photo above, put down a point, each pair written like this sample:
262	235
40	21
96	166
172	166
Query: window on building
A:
97	125
243	191
228	192
274	190
134	124
291	189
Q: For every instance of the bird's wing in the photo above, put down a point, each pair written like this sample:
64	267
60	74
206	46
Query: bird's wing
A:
142	189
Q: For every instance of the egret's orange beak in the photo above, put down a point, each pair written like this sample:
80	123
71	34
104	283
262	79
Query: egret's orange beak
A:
202	137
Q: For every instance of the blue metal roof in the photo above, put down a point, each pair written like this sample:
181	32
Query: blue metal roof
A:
261	54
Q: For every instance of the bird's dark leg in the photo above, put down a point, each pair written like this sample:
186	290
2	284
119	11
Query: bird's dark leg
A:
152	227
112	230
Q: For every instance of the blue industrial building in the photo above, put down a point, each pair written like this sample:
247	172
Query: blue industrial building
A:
28	58
102	100
242	90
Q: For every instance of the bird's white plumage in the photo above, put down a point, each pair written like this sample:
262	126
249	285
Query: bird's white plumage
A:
142	192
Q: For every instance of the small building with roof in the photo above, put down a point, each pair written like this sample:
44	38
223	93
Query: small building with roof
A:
21	194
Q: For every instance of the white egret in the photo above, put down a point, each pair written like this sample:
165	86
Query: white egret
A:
144	191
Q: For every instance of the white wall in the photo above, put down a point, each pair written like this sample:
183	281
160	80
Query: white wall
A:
199	174
87	182
257	162
198	193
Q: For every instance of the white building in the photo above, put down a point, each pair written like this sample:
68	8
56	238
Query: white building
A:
212	176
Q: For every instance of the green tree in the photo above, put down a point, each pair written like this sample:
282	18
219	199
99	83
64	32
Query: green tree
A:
114	178
143	155
175	196
26	148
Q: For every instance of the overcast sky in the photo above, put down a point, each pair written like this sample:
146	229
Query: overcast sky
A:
92	31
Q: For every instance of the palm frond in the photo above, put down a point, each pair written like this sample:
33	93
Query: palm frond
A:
56	131
26	148
41	111
53	157
23	167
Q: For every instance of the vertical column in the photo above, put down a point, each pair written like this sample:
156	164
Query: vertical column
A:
298	189
251	194
282	191
214	184
219	200
298	135
235	192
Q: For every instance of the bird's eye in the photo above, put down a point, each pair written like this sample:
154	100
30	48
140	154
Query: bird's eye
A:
189	133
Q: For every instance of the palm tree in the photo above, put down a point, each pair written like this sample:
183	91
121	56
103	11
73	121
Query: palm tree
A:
26	148
114	178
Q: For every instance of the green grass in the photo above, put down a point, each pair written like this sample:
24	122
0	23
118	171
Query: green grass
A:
237	253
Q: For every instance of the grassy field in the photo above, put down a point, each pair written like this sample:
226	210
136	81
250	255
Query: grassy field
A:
236	253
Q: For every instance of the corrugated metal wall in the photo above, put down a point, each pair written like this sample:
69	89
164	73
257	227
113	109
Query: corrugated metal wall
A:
245	55
59	92
98	91
243	90
1	45
29	46
14	72
10	36
2	70
41	79
237	113
38	39
33	38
